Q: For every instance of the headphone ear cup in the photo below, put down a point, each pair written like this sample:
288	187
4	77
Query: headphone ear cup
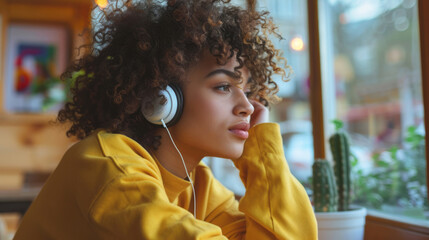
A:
170	111
180	104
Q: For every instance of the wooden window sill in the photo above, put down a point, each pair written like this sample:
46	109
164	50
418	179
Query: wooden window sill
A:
387	226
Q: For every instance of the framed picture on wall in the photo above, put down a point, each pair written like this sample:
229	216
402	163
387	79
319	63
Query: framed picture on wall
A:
36	55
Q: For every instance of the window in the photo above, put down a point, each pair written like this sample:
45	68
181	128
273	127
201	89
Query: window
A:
293	111
371	77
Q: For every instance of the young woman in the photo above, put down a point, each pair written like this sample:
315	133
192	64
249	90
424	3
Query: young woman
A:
163	85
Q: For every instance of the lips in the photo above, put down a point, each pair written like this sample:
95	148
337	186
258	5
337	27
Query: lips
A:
240	130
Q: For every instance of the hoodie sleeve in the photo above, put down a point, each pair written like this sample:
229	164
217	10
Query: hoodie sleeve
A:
275	204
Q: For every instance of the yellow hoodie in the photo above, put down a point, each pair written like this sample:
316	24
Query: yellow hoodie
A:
108	187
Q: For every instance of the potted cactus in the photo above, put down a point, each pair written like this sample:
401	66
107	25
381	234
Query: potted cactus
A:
331	193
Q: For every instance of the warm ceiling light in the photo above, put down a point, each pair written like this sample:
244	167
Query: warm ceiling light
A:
297	44
102	3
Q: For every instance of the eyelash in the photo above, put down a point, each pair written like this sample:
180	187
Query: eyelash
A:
227	88
224	87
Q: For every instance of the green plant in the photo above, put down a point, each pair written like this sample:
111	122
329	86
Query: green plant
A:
324	188
330	194
341	153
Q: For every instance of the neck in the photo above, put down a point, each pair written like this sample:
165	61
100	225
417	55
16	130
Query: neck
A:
169	158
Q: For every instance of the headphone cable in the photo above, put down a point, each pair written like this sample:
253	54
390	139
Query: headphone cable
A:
184	165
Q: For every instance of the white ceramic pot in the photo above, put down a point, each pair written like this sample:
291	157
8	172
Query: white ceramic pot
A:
345	225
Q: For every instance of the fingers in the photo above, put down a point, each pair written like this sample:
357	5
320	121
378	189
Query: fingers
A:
260	114
256	104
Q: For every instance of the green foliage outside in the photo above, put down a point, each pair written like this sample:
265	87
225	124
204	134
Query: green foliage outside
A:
397	179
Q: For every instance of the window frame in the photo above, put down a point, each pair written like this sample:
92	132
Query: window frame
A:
424	51
376	227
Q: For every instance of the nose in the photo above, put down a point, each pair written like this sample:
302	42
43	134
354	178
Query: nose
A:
243	108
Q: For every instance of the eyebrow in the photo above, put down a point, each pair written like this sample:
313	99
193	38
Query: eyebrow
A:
221	71
226	72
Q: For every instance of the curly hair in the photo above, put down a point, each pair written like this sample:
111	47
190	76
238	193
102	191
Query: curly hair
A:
140	48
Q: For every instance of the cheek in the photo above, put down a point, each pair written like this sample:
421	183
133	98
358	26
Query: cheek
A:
204	110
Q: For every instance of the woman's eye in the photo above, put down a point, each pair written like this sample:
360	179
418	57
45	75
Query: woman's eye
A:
248	94
224	88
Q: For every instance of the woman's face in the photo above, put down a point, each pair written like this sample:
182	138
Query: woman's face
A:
216	113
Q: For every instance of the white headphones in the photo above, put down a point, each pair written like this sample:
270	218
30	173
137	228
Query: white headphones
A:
170	111
168	114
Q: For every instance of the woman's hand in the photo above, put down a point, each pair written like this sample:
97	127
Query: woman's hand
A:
259	115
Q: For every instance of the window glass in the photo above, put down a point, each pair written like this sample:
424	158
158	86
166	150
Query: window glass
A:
240	3
371	72
293	111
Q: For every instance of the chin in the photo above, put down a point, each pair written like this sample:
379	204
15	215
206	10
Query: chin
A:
233	152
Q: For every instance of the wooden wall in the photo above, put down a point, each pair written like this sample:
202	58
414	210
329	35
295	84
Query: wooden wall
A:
29	142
